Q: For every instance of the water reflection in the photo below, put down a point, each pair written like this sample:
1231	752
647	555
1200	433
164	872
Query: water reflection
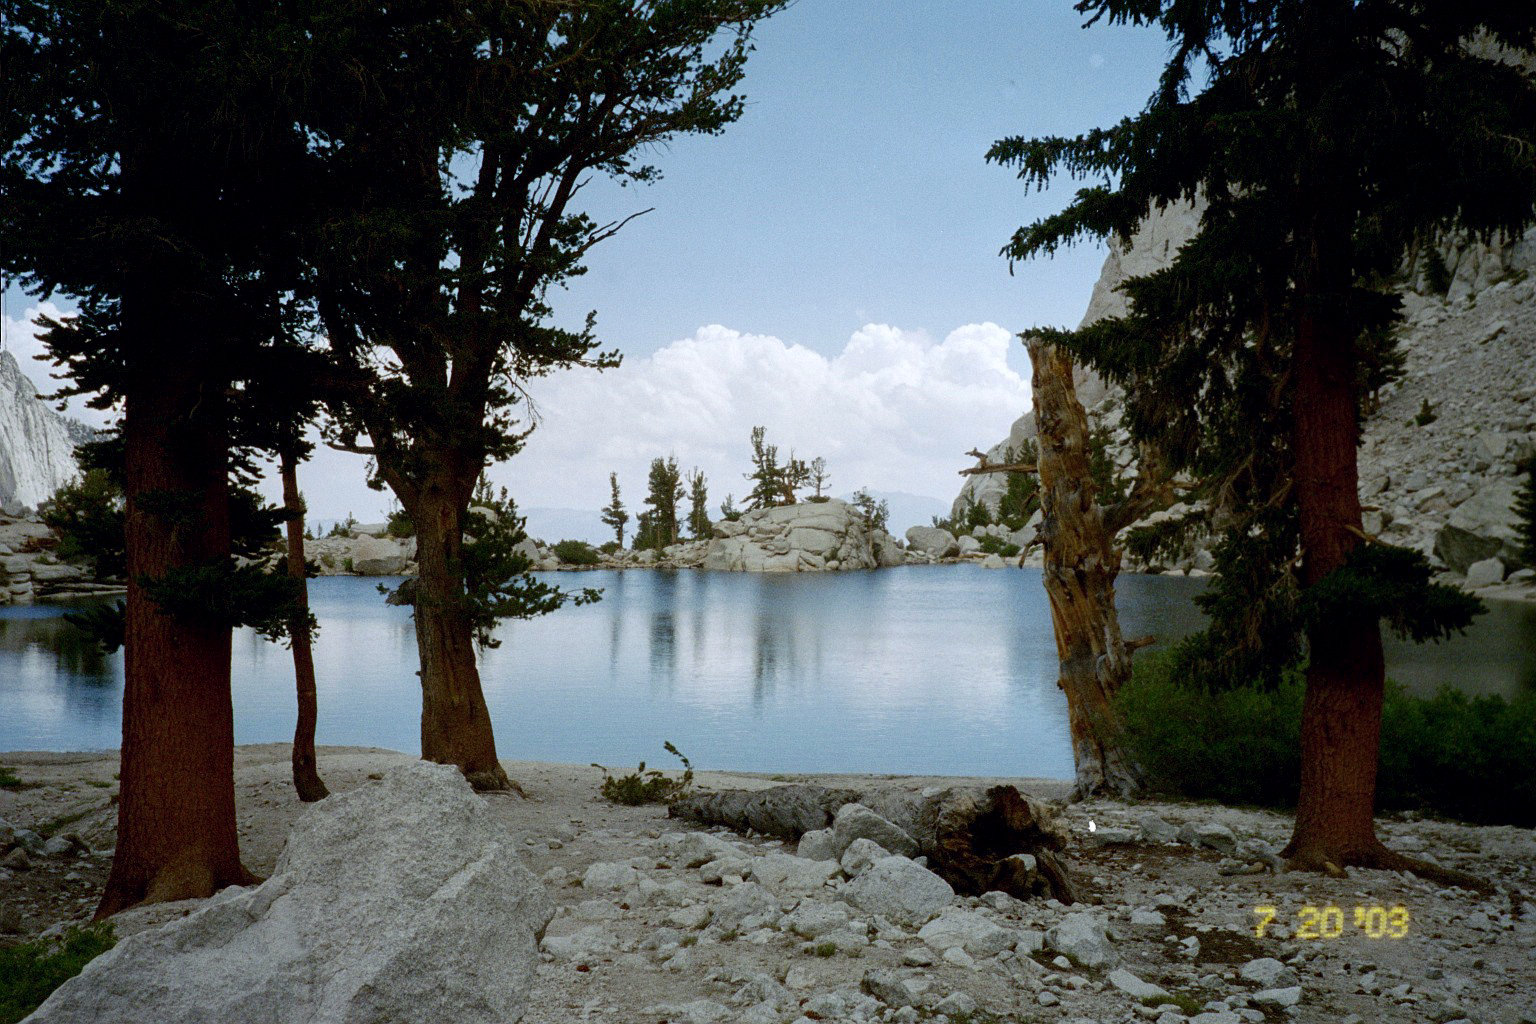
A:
943	669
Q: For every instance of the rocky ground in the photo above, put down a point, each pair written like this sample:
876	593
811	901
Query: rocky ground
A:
658	920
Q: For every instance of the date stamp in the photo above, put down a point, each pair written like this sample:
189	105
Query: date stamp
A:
1329	922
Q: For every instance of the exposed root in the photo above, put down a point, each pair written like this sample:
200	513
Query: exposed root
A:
1379	857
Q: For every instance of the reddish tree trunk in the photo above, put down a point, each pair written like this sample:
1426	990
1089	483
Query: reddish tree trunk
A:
455	723
306	776
1080	569
176	836
1341	711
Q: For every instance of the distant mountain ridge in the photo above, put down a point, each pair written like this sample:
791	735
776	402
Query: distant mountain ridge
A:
37	445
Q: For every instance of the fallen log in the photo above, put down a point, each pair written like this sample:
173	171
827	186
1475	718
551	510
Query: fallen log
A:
978	839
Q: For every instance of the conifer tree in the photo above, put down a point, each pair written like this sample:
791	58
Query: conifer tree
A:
1321	141
767	475
818	478
1525	508
149	171
666	490
698	507
614	513
454	167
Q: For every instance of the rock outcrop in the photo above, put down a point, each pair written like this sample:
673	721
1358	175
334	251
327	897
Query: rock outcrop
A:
1435	483
37	446
809	536
31	572
403	901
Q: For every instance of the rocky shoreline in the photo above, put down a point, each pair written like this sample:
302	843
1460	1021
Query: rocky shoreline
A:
658	920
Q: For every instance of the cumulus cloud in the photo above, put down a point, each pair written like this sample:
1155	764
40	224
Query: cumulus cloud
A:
893	411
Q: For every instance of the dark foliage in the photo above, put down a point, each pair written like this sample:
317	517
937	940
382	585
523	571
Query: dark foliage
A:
30	971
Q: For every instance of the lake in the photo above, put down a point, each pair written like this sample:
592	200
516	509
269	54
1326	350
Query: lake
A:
944	670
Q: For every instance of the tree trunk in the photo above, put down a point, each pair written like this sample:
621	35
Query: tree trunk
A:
1080	570
176	836
455	723
1341	711
971	835
306	777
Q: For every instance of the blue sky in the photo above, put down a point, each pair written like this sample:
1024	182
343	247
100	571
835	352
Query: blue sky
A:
827	267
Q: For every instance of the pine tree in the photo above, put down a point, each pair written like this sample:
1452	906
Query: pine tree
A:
767	475
698	507
454	163
666	490
614	514
161	191
1321	141
818	478
1525	509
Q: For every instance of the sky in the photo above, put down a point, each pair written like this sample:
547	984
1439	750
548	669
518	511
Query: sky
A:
827	268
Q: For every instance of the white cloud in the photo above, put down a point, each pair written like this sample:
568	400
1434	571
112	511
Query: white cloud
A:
21	340
892	411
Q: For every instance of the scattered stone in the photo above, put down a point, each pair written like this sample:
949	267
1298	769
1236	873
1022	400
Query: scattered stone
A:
1267	973
818	844
1134	987
1081	937
782	872
900	890
894	988
1156	830
604	876
17	860
402	900
1279	996
967	929
855	821
812	920
1485	573
861	855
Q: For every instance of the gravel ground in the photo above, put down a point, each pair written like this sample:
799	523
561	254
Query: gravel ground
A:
660	921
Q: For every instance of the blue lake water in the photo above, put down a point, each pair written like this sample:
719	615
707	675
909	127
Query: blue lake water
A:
923	669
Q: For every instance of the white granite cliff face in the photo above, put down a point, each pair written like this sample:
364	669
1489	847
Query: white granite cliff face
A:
1440	487
37	453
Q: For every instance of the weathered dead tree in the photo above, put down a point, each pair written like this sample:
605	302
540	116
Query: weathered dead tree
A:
973	837
1081	564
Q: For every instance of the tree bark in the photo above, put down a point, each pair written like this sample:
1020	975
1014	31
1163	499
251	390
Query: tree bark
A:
176	835
455	723
306	776
1080	569
1341	710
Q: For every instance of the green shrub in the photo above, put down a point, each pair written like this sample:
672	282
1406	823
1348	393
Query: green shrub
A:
612	547
997	546
977	514
1426	414
29	972
9	779
400	525
576	552
647	787
1460	757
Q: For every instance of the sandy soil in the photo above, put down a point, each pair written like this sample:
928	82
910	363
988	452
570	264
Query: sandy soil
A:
622	958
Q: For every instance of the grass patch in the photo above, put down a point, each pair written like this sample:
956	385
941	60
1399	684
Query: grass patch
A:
10	780
824	949
647	787
1188	1005
689	940
29	972
49	828
1243	746
98	783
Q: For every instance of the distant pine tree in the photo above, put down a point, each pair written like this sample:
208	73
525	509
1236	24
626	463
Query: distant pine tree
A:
698	512
614	514
666	491
1525	508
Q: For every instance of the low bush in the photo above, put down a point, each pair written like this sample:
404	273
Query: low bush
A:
612	547
1452	755
9	779
30	971
400	525
647	787
997	546
576	552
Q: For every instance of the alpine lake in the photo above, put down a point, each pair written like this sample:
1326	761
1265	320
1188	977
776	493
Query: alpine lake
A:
933	670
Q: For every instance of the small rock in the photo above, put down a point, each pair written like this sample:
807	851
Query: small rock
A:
900	890
1147	919
1156	830
1047	998
1082	937
1485	573
17	860
960	958
605	876
1279	996
957	1003
818	844
860	855
689	918
967	929
855	821
1134	987
1266	972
